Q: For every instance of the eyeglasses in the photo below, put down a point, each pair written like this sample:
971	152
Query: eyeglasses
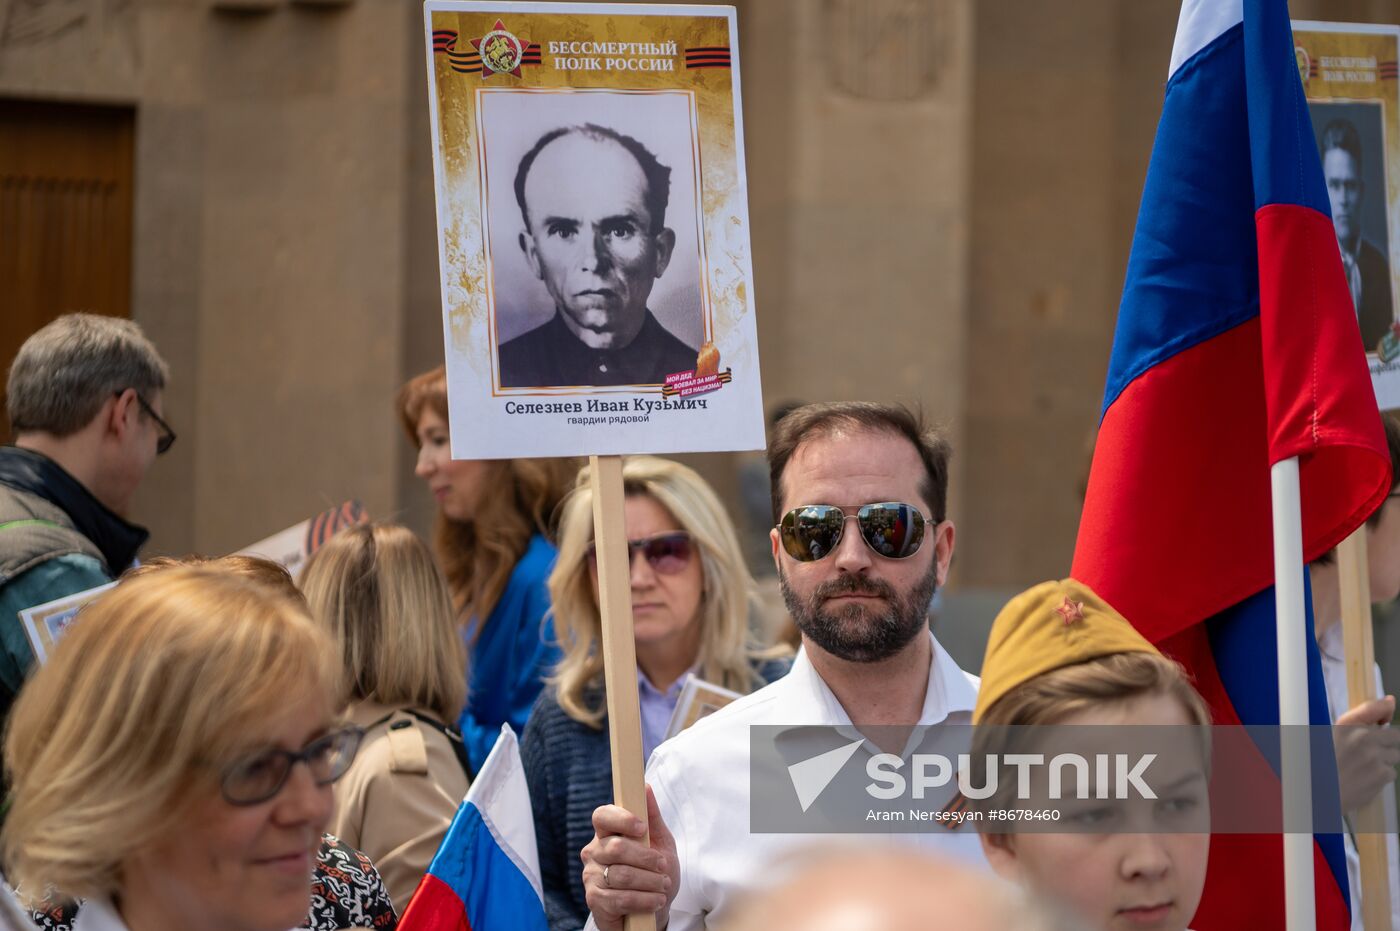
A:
167	435
892	529
667	553
259	778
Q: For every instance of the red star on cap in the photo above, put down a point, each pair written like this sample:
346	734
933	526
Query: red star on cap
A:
1071	611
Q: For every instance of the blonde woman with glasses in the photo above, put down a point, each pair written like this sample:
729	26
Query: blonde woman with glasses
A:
172	761
376	590
691	595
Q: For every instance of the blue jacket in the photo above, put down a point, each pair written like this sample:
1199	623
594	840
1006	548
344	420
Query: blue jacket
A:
568	766
514	653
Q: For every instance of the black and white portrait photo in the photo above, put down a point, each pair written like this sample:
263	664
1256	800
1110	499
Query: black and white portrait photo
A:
1351	144
592	232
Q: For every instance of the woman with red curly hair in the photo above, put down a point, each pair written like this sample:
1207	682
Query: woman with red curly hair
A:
492	541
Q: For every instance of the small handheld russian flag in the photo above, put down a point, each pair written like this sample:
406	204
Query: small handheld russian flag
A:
486	873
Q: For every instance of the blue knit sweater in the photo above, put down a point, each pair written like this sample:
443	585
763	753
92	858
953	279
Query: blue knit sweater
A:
568	766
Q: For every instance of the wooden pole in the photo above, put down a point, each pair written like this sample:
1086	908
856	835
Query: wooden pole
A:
1368	824
619	647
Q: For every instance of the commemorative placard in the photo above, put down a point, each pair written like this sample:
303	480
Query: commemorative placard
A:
293	548
698	699
593	229
1349	74
46	623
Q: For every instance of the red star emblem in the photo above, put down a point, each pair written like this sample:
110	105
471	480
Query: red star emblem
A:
501	51
1071	611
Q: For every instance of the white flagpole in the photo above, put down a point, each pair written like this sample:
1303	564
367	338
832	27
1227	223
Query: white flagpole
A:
1296	761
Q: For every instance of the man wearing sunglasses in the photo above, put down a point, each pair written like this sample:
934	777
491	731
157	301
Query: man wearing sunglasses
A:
84	401
861	544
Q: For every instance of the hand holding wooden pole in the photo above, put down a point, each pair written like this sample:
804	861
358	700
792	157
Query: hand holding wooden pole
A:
1368	825
619	648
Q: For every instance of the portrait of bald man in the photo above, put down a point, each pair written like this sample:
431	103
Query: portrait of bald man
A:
593	201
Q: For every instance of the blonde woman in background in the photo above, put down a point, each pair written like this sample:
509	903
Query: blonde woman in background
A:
492	541
691	598
172	761
377	591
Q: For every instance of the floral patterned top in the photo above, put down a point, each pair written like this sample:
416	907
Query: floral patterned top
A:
346	892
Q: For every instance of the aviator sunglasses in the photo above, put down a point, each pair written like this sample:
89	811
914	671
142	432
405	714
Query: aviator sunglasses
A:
666	553
891	528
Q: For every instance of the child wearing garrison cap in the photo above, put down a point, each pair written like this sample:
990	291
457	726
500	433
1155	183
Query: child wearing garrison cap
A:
1058	654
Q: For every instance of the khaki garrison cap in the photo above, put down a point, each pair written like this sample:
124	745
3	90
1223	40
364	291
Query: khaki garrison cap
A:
1053	625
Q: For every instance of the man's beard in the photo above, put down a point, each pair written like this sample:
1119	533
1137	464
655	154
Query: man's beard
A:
857	633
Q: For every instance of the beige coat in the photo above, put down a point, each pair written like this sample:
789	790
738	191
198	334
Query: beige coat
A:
399	796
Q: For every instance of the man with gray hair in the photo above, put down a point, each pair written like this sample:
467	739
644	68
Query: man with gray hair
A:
84	401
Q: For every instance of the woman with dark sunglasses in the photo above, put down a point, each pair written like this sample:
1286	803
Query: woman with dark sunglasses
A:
691	598
172	762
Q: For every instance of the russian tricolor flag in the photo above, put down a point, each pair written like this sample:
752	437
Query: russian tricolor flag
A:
1237	347
486	874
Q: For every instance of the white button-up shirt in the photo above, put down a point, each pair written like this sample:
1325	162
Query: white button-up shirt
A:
701	781
657	707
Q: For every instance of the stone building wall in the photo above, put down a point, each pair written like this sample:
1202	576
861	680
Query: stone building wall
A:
271	262
942	196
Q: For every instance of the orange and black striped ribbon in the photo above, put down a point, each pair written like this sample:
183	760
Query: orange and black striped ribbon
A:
707	56
958	804
468	60
330	522
1385	70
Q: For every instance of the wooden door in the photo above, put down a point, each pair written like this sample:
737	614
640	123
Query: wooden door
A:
65	216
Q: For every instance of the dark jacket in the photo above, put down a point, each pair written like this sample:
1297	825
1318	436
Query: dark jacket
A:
1374	315
56	539
551	354
568	766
